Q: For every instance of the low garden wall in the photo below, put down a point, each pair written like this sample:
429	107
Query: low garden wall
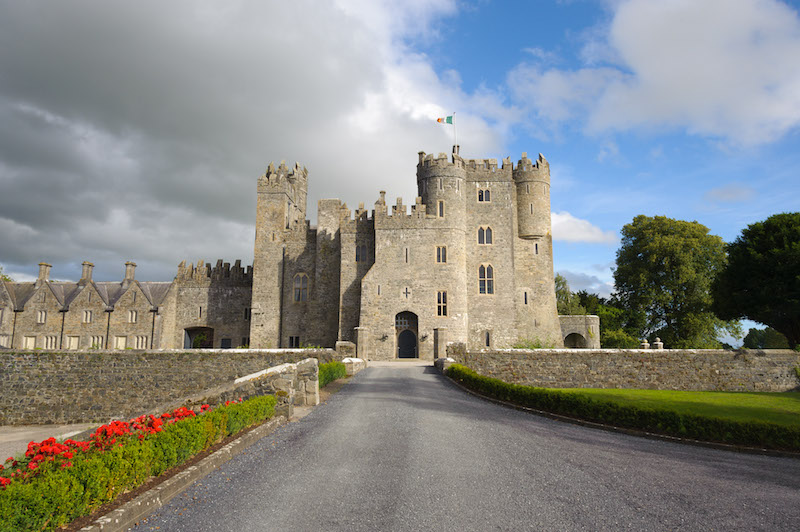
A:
38	387
772	370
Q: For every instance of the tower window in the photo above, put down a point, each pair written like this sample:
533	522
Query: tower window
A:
441	254
487	339
486	279
536	248
361	253
406	254
484	235
484	195
441	303
294	341
300	287
441	209
248	312
527	188
526	297
531	208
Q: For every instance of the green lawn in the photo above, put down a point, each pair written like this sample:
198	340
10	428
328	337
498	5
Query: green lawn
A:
780	408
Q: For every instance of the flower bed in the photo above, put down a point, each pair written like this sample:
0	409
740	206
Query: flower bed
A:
55	483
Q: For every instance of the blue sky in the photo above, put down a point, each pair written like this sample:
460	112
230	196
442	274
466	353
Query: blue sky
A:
136	131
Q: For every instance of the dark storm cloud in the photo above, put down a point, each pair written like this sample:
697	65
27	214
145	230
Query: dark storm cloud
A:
137	130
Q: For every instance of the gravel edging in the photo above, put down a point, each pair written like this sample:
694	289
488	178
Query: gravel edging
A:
630	432
142	506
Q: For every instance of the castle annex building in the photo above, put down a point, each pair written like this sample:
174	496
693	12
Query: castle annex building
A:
471	262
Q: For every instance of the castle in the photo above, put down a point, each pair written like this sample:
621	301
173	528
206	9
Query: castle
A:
471	262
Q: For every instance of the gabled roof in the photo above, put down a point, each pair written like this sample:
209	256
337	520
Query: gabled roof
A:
20	293
155	292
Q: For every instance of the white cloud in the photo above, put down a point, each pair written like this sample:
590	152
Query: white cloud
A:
711	68
591	283
568	228
731	193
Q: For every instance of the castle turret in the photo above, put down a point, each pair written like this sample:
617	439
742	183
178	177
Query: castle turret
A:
533	197
441	185
280	224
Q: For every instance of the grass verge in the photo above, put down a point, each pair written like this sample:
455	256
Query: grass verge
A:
745	426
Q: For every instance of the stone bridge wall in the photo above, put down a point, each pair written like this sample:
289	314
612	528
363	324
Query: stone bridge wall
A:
38	387
666	369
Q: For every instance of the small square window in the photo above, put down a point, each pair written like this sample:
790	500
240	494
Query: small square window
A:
225	343
294	341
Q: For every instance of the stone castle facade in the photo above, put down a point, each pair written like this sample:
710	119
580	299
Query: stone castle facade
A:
471	262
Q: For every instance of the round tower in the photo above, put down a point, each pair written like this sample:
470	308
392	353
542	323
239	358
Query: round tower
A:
533	197
440	183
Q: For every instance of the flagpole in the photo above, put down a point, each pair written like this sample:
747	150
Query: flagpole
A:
455	133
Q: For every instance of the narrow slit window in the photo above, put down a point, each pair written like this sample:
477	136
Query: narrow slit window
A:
441	254
406	255
487	338
526	297
536	248
441	209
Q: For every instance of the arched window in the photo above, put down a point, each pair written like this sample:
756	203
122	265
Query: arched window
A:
486	279
301	287
485	235
361	253
484	195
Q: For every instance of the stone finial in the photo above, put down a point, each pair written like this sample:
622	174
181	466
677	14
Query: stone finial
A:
658	344
86	272
382	201
645	344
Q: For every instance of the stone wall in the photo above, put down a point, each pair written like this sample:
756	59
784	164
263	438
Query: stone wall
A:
666	369
38	387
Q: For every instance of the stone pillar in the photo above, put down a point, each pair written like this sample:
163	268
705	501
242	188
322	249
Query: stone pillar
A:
86	273
658	344
439	342
44	273
645	344
130	270
361	342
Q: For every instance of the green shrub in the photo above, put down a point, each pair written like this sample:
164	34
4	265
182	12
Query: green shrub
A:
705	428
330	372
60	496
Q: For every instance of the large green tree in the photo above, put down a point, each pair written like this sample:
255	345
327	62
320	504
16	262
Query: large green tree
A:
663	279
567	303
767	338
762	278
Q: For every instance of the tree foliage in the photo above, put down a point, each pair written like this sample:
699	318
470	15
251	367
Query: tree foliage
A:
767	338
762	278
3	276
663	279
566	302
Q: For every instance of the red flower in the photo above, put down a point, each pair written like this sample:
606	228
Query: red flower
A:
32	465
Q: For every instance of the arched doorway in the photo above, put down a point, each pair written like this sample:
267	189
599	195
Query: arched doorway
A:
198	338
405	325
575	341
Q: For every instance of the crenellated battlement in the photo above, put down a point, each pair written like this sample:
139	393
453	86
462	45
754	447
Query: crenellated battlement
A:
204	273
278	177
528	170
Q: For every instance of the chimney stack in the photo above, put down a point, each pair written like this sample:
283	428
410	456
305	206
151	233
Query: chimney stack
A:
86	273
44	273
130	269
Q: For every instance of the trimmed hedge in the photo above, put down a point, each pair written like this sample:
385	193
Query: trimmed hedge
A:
59	496
330	372
704	428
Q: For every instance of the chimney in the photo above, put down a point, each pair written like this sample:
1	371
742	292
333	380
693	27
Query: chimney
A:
44	273
130	269
86	273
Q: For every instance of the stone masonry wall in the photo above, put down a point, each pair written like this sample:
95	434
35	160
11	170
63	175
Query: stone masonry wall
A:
668	369
38	387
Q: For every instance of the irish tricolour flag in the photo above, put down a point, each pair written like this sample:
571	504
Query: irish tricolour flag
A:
445	120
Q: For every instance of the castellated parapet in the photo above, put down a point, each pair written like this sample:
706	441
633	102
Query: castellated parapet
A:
469	260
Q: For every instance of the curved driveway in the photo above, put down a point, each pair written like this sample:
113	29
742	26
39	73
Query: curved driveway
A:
403	449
